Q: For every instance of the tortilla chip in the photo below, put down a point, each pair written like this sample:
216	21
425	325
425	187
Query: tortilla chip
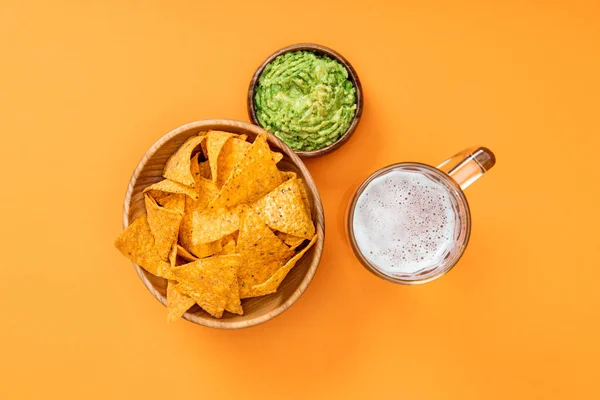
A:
289	175
136	243
255	175
284	209
232	153
164	225
234	304
186	255
262	252
178	167
208	281
207	190
215	140
272	284
204	168
177	302
229	247
168	186
213	224
292	241
175	202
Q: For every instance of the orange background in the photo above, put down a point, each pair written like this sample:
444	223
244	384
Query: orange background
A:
86	89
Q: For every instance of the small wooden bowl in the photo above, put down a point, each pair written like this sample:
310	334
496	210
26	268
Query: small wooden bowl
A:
351	74
258	309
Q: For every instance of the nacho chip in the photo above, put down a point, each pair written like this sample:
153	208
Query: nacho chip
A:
255	175
168	186
229	247
231	154
207	190
164	225
292	241
262	252
234	304
204	168
215	140
186	255
208	281
271	285
136	243
213	224
177	302
174	202
178	167
284	209
287	175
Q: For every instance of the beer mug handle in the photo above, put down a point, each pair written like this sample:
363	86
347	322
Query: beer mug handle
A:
468	165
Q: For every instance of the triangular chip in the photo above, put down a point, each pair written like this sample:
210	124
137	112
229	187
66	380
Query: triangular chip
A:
207	191
271	285
263	253
234	304
229	247
292	241
169	186
177	302
215	140
175	202
178	167
232	153
255	175
214	223
136	243
186	255
284	209
164	225
208	281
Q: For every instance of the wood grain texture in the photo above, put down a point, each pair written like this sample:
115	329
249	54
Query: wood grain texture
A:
256	310
316	48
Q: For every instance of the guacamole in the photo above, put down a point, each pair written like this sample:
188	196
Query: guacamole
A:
305	99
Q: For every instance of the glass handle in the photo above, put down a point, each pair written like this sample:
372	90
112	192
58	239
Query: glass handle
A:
468	165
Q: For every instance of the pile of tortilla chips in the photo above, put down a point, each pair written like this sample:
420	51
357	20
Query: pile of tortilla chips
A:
224	225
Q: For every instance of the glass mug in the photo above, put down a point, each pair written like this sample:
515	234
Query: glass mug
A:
450	177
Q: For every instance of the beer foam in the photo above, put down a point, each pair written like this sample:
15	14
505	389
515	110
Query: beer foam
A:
404	222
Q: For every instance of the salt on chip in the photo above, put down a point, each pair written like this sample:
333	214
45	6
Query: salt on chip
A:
213	224
178	167
284	209
292	241
164	225
169	186
254	176
136	243
208	281
271	284
262	252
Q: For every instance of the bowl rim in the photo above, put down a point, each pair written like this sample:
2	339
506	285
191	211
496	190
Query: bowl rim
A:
317	48
319	221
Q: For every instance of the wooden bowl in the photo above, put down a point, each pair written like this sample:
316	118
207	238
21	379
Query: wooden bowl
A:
322	50
258	309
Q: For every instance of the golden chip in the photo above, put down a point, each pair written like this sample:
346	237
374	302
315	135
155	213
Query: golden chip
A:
284	209
136	243
168	186
164	225
255	175
207	191
215	140
262	252
186	255
292	241
177	302
271	285
178	167
212	224
175	202
208	281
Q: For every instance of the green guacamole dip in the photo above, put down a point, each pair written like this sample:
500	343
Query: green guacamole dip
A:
305	99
